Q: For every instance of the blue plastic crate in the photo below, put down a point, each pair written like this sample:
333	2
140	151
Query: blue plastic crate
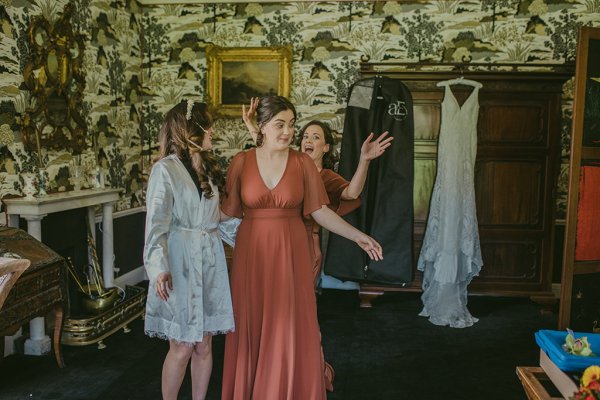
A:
551	342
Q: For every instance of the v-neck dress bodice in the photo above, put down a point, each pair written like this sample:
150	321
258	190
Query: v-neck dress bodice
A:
275	352
451	255
287	193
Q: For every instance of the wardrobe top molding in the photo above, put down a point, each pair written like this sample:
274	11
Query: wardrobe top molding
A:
152	2
475	71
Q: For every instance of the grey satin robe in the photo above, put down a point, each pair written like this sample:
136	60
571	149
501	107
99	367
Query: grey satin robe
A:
182	237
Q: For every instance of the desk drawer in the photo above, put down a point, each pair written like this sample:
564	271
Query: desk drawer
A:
32	296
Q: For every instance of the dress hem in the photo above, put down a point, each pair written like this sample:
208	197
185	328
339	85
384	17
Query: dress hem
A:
160	335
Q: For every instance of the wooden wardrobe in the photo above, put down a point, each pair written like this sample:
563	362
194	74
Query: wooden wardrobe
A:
515	174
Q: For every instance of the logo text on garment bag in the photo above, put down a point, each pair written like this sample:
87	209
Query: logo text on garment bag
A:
398	110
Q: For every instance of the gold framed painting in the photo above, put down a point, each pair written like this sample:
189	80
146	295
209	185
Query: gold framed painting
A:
235	74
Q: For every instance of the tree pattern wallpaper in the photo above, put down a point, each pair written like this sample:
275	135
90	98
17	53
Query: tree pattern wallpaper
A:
112	97
141	60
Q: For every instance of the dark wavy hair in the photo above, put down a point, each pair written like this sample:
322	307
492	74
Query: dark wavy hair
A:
175	136
329	158
268	108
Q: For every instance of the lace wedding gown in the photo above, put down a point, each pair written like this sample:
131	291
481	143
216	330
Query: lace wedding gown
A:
450	256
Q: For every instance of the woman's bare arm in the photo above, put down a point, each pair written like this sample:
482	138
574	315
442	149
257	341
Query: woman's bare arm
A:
334	223
369	151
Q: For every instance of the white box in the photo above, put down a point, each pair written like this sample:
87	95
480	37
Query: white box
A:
563	382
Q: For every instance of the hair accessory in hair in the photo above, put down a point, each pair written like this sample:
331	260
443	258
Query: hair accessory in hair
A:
188	113
200	126
195	145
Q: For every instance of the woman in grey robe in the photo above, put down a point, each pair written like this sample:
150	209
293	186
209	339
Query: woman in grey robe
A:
188	297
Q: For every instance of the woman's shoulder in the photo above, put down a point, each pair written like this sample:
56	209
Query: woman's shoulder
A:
304	162
236	165
241	156
165	164
329	173
330	176
164	169
244	153
300	156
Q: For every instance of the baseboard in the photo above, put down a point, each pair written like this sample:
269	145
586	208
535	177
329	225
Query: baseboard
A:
131	278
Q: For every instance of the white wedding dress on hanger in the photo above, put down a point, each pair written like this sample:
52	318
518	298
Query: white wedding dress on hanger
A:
451	255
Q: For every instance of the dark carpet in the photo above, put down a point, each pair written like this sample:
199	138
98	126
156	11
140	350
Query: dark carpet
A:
386	352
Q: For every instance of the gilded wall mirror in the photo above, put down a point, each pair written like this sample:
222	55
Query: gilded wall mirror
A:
56	81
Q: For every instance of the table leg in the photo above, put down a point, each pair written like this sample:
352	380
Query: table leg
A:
58	325
38	343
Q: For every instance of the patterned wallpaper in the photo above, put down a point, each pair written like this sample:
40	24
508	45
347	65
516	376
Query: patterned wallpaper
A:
111	103
330	38
131	82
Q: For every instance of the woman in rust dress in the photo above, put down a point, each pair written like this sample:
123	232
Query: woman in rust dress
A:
316	139
275	352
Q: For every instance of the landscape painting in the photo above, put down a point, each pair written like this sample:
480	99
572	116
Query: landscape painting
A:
242	80
234	75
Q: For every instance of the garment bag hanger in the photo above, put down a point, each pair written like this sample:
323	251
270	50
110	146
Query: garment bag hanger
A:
460	81
378	88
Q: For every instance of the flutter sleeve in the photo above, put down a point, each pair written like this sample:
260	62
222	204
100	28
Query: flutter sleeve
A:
232	204
159	209
335	185
315	195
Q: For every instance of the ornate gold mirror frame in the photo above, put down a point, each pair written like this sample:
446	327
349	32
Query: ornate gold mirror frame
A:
56	81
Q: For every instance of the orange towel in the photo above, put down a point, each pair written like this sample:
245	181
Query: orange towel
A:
588	216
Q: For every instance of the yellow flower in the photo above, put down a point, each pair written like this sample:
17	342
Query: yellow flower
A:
590	375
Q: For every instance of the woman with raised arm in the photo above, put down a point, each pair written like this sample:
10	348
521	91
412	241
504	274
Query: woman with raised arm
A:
275	352
316	139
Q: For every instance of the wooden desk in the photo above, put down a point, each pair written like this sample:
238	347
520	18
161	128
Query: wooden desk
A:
531	378
40	289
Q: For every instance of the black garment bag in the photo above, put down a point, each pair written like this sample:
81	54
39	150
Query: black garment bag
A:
377	105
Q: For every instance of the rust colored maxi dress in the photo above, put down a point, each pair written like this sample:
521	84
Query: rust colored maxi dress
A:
275	351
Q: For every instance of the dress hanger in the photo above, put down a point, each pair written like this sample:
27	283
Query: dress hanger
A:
378	88
460	81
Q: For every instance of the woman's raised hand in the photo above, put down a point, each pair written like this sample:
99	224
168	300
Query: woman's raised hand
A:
248	117
372	149
370	245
